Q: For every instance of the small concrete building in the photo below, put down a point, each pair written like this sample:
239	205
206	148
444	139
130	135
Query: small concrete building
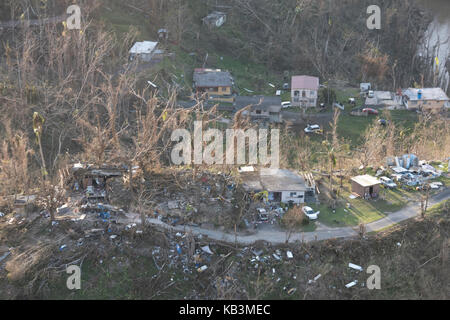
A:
304	91
282	185
366	186
143	51
425	99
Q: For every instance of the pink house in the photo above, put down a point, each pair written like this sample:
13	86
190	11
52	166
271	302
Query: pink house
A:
304	91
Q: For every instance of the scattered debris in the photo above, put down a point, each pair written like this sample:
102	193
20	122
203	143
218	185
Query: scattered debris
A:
289	255
3	257
207	250
201	269
356	267
351	284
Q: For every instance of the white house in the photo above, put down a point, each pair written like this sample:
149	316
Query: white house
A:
304	91
282	185
143	51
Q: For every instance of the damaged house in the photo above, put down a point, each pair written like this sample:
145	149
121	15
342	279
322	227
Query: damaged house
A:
267	109
91	180
215	19
282	185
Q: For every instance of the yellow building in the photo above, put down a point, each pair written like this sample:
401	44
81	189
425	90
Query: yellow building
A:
431	99
215	83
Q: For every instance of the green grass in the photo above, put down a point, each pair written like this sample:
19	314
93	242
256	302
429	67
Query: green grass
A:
362	211
120	18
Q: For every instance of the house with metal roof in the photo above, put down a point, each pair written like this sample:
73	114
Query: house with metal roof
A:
144	51
214	83
425	98
282	185
264	108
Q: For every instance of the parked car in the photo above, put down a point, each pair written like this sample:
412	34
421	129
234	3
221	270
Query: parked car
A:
352	101
371	94
370	111
286	104
388	183
309	212
262	214
312	128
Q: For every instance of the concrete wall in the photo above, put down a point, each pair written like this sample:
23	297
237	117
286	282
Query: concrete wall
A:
298	198
304	98
362	191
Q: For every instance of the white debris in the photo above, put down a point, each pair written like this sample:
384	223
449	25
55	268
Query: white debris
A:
399	244
201	269
356	267
2	214
112	237
315	278
289	255
277	257
351	284
207	250
82	217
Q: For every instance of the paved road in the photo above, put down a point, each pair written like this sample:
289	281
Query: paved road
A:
279	237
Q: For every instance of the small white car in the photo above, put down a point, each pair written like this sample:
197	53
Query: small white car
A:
312	128
371	94
388	183
286	104
309	212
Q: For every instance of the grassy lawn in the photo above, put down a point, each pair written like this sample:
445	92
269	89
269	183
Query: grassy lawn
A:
362	211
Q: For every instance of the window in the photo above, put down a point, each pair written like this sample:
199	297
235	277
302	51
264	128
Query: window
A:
293	194
304	94
258	111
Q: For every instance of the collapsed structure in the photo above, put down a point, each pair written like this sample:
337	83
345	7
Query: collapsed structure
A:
91	180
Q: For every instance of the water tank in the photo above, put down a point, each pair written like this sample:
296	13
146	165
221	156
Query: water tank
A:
419	94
